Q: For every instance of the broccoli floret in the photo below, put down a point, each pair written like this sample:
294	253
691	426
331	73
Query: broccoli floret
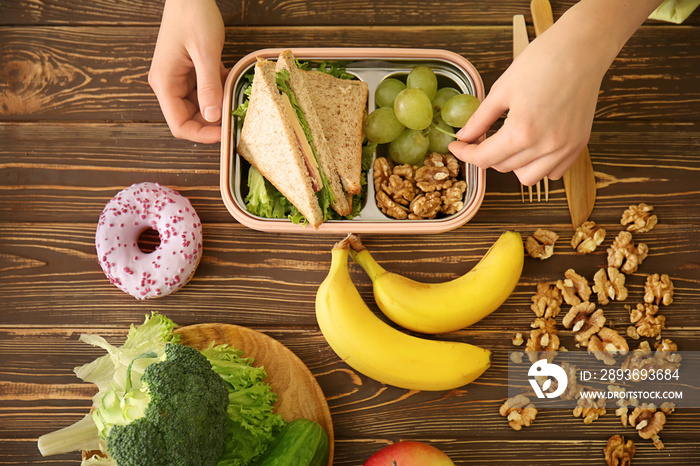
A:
185	421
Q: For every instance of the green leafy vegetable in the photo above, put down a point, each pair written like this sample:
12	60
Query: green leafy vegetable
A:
160	402
252	425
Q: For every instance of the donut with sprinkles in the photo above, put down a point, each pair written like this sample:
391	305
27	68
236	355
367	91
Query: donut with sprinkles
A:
146	275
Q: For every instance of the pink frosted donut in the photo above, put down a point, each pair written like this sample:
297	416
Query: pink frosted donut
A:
131	212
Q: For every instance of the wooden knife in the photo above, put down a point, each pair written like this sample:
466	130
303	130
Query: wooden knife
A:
579	179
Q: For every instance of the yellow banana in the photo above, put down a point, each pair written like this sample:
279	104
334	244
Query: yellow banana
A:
378	350
448	306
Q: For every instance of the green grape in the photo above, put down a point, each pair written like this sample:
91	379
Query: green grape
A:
382	126
439	140
423	78
413	108
410	147
386	92
443	95
458	109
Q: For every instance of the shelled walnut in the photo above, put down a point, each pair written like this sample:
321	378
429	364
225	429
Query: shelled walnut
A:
548	324
618	452
519	412
648	422
541	244
453	198
587	237
429	179
658	289
573	389
666	356
640	358
574	288
647	322
589	408
638	218
606	344
439	160
609	284
584	321
643	360
624	255
425	206
541	340
546	302
416	193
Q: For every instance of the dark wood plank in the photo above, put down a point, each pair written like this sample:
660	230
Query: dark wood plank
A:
44	263
366	414
279	12
96	73
46	176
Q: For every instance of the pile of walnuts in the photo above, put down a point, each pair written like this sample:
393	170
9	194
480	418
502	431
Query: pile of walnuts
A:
588	325
417	193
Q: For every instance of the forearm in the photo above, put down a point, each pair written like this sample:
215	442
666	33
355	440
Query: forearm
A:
606	25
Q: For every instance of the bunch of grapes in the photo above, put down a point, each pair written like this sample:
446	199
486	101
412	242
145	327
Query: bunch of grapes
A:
417	117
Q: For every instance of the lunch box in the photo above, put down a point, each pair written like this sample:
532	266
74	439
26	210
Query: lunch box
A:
371	65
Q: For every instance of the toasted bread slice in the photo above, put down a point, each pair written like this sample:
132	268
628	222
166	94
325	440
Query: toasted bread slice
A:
341	105
299	86
269	143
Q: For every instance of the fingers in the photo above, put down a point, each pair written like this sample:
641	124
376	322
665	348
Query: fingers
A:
209	88
481	120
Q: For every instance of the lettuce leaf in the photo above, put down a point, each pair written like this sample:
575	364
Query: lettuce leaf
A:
264	200
252	423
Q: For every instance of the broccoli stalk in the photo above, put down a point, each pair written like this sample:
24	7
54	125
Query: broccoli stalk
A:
79	436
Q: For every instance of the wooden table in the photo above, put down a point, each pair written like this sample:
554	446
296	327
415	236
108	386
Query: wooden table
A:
78	122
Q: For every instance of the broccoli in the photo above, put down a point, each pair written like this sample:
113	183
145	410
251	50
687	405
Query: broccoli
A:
185	420
160	402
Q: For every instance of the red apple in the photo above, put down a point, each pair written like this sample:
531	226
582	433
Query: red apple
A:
409	453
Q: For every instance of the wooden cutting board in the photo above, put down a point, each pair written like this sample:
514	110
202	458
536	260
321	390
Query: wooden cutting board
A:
579	179
299	395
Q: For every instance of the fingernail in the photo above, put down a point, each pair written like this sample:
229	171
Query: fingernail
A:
212	113
460	133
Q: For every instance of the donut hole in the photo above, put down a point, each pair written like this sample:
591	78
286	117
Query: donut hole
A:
148	240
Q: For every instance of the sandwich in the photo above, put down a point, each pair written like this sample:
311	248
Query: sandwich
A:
303	133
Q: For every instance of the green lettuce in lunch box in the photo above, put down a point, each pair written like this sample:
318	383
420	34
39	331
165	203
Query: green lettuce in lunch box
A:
263	199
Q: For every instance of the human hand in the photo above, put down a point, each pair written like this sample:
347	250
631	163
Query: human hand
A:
550	93
187	74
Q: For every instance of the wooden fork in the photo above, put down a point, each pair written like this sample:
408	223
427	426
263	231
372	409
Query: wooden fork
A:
520	41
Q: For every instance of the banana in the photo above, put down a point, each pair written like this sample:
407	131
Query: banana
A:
448	306
381	352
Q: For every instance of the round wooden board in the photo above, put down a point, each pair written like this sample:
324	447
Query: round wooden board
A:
299	395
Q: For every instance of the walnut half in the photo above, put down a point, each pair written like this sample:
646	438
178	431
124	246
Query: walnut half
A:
606	344
647	323
584	321
639	218
587	237
609	284
648	422
541	244
618	452
574	288
589	408
546	302
519	411
624	255
658	289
